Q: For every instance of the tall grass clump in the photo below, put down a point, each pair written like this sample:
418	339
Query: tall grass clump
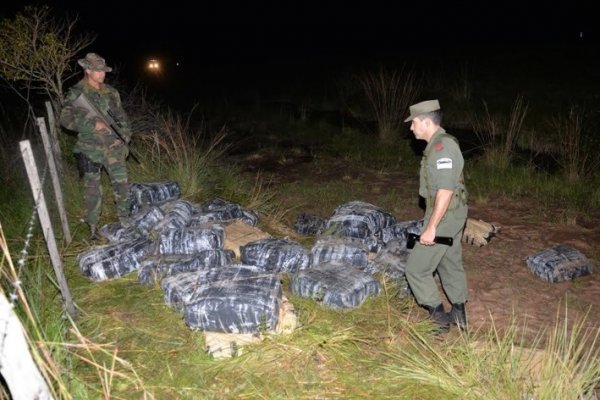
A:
577	155
62	354
389	94
563	364
499	135
171	149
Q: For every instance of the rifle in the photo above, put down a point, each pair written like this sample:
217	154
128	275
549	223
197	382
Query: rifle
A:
413	238
93	111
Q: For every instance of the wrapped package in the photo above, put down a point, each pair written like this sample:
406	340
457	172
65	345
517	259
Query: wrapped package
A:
156	268
347	251
235	299
152	193
191	240
276	255
334	286
559	263
115	260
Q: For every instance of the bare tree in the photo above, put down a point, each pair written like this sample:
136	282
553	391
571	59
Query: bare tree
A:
37	50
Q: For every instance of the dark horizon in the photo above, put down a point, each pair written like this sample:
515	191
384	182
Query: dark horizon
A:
214	46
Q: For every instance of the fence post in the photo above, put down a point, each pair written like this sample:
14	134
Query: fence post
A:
55	181
42	209
54	135
18	369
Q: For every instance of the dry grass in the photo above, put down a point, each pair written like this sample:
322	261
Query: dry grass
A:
575	157
499	135
389	94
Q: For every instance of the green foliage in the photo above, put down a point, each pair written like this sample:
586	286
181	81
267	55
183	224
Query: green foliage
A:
36	50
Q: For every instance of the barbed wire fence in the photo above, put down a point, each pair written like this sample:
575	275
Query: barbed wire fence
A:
17	352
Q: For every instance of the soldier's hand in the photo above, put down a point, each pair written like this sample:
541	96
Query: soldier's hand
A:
101	126
428	237
115	143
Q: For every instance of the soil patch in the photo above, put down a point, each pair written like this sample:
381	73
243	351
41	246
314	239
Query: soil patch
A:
502	289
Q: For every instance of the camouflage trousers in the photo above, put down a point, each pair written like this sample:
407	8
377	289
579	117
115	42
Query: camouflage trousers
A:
113	161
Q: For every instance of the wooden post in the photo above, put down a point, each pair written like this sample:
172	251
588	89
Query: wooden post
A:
40	201
17	367
55	140
55	181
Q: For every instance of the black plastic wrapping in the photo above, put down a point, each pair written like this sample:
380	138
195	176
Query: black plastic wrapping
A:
179	288
391	260
178	214
152	193
221	210
559	263
191	240
308	224
347	251
156	268
139	225
401	230
235	299
114	260
359	220
334	286
277	255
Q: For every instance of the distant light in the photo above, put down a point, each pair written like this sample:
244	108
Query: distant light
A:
153	65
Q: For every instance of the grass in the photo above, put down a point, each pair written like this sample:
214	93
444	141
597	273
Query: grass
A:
128	344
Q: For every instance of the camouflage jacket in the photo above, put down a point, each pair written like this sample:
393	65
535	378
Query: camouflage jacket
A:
89	140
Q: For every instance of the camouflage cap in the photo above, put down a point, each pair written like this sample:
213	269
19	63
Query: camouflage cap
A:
94	62
422	108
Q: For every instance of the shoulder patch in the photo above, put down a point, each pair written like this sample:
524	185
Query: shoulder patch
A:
439	146
444	163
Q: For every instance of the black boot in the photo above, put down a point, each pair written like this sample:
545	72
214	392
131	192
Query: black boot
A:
439	317
458	315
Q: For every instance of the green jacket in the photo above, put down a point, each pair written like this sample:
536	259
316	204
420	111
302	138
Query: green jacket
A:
91	142
442	168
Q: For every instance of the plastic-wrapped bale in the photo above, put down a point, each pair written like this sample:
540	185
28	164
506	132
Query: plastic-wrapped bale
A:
221	210
307	224
139	225
235	300
391	260
116	232
346	251
191	240
333	286
401	230
359	220
277	255
156	268
179	288
152	193
559	263
178	214
114	260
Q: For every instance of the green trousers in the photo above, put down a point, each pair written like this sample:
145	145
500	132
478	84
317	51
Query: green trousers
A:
114	163
447	260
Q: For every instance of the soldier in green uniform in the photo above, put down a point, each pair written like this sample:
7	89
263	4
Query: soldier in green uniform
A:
442	187
97	145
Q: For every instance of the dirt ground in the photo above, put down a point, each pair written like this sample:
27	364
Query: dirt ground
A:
501	287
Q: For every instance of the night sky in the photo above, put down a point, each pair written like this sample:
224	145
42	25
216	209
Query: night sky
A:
237	37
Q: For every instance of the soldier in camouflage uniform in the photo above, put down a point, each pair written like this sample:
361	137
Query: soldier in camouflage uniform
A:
97	145
442	187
